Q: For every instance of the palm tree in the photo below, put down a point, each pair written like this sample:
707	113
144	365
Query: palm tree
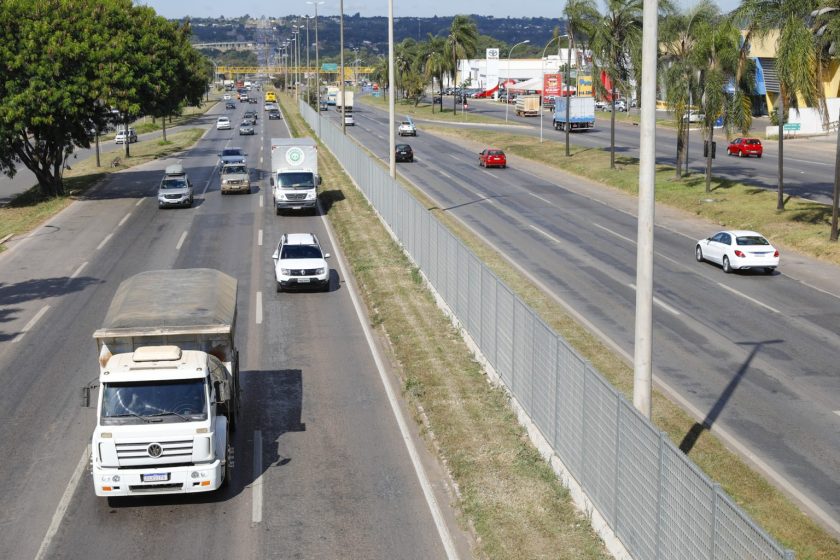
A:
827	31
680	74
717	55
614	38
461	42
434	65
796	57
581	18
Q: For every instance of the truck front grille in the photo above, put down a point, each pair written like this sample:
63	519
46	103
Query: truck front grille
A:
171	451
174	486
296	196
303	272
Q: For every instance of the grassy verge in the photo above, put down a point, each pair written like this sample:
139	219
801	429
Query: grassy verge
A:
456	393
508	494
29	209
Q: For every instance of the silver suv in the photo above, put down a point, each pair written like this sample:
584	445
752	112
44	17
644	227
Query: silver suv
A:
235	178
176	188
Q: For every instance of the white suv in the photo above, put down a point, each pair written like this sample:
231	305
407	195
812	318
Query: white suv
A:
300	263
407	128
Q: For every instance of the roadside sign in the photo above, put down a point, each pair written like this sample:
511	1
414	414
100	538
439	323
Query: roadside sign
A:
792	126
329	67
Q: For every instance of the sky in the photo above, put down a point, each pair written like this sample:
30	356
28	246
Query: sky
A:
402	8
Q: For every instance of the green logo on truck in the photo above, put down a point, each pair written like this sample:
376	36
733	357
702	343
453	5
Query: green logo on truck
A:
294	156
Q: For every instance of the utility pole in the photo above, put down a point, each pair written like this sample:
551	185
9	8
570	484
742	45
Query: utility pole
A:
341	45
392	132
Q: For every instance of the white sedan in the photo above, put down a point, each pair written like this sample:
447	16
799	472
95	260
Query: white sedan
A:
738	250
223	123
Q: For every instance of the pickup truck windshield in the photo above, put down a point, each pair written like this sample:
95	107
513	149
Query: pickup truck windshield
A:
154	401
302	180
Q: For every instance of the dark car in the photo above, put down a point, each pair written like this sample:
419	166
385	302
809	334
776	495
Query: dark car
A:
274	114
324	106
232	155
230	105
404	152
745	147
491	157
253	100
251	114
250	120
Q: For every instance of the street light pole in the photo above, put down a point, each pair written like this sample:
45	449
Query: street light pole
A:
392	132
568	126
341	48
317	70
507	100
542	72
308	84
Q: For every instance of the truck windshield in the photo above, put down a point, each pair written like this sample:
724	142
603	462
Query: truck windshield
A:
154	401
302	180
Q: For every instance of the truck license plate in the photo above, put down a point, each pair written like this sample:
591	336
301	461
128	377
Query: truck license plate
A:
156	477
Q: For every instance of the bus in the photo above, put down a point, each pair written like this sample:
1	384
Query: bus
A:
270	97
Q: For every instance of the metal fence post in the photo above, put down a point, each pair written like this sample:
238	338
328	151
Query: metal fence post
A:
716	488
616	492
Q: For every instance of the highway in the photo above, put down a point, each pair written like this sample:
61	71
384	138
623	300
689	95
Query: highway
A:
754	355
322	467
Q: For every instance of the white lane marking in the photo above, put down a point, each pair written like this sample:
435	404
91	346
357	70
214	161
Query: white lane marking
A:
257	485
837	412
261	202
261	160
207	184
104	241
490	173
660	303
541	198
61	509
259	308
611	232
139	202
28	326
453	156
79	270
445	174
422	477
546	234
260	236
124	219
745	296
181	241
818	289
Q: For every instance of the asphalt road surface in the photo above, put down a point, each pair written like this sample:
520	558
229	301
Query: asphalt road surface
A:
754	355
322	468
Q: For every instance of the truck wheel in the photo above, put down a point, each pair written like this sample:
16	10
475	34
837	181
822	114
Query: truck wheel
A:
279	288
277	211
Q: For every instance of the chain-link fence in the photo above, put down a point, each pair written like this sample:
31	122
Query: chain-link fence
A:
658	503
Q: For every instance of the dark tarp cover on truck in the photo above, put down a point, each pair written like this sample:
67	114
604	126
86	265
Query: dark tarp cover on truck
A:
185	300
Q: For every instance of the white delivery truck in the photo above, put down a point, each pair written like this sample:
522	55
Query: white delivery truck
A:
345	100
294	174
581	112
168	385
332	94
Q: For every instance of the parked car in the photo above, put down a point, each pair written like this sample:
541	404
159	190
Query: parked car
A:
124	136
299	262
223	123
232	155
407	128
491	157
403	152
274	114
738	250
694	117
745	147
176	188
246	128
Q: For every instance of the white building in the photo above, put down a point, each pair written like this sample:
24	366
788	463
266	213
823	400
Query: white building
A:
486	73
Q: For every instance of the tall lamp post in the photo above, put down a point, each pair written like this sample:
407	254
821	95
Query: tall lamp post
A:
308	85
392	132
317	69
507	101
542	72
341	49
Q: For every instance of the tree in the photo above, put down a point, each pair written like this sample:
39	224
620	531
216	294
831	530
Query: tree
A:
614	38
434	65
49	85
827	31
581	18
796	57
461	43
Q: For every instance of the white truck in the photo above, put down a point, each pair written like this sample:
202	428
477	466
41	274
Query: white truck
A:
294	174
527	105
169	385
332	94
581	112
345	100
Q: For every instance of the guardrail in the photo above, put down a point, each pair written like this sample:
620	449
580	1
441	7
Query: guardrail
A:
656	500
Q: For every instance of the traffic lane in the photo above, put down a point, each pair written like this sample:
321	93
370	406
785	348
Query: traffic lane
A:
765	371
335	465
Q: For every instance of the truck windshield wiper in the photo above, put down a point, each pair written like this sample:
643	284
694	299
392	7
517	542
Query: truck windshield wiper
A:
143	418
167	413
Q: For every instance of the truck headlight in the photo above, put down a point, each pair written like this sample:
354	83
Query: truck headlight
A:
284	272
310	195
319	271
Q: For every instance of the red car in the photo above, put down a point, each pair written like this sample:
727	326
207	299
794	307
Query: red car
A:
745	147
492	158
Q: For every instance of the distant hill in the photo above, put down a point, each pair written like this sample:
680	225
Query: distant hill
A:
370	34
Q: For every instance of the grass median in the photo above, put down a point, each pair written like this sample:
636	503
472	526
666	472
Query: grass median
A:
508	495
423	354
29	209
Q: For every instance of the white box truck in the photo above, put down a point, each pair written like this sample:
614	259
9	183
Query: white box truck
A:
294	174
168	385
581	112
340	101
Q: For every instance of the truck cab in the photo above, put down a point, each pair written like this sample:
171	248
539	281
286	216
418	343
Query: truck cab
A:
294	174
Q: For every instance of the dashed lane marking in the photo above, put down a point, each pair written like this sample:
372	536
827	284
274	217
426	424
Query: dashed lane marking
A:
181	241
31	323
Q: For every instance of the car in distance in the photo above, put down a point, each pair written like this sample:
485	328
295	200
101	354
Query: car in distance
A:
235	178
252	114
223	123
745	147
230	105
407	128
274	114
226	97
324	105
491	157
403	152
738	250
246	128
125	136
349	120
299	262
232	155
176	188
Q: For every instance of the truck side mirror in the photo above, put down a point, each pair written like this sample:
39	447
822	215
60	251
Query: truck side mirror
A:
271	181
319	179
326	255
276	254
85	393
